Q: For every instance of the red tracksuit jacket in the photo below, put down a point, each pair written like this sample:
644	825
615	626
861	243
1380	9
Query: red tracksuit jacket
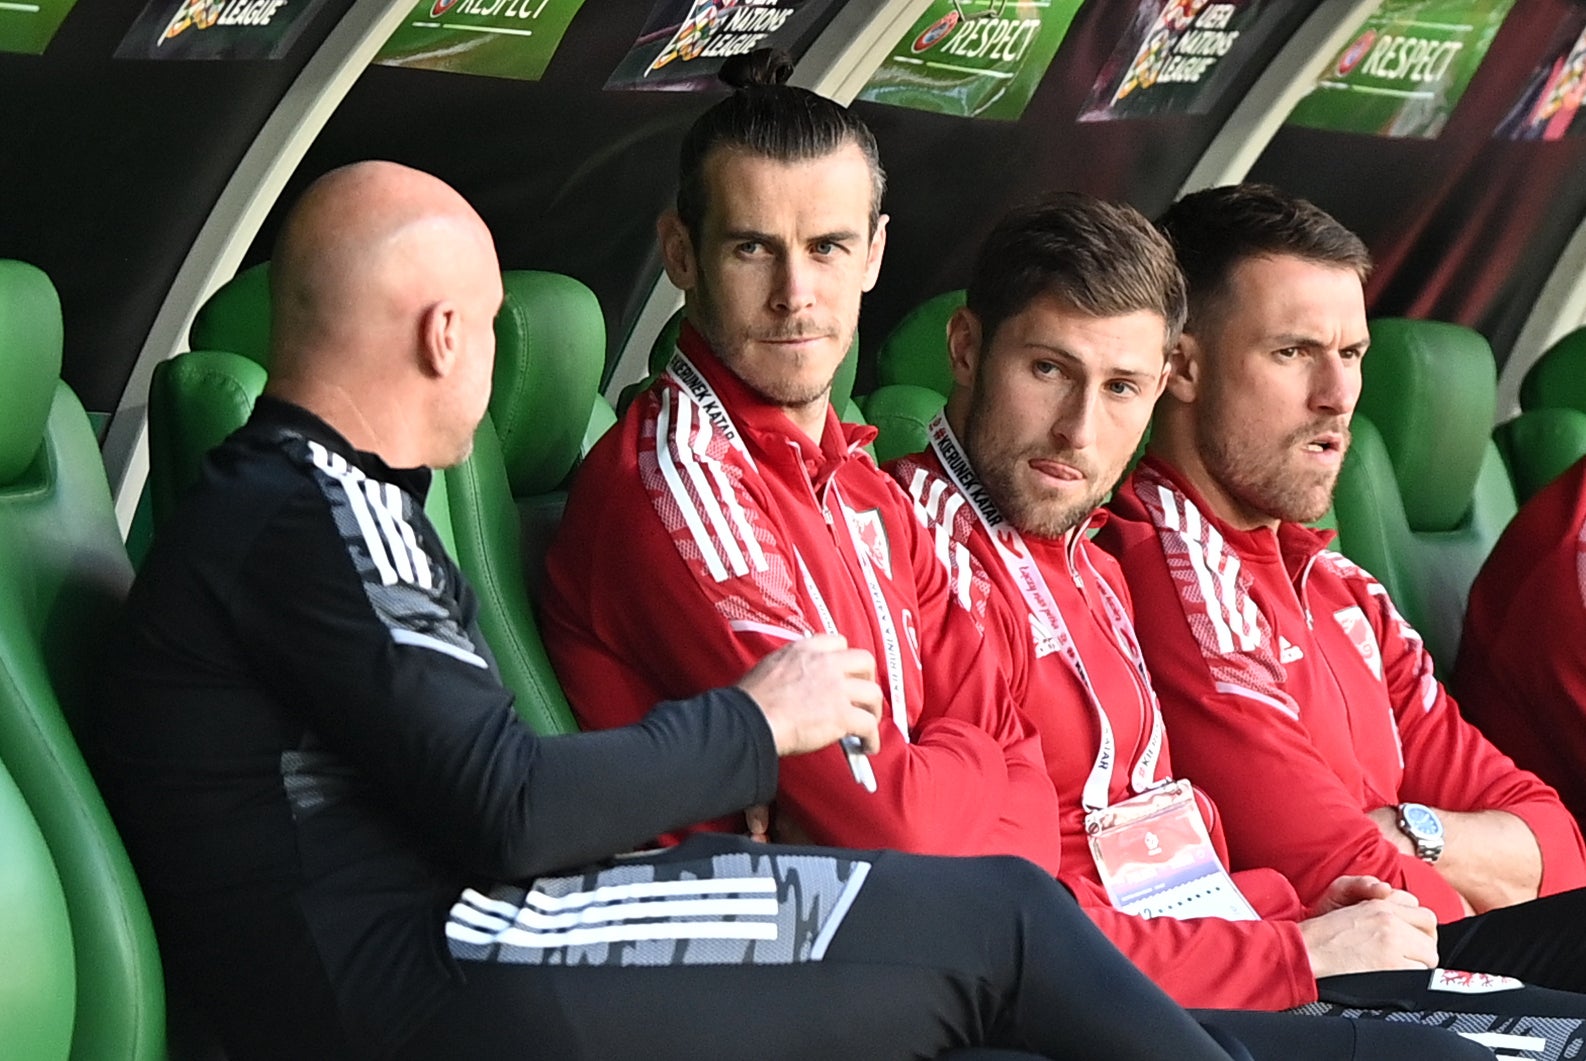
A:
1301	700
1521	675
681	562
1201	962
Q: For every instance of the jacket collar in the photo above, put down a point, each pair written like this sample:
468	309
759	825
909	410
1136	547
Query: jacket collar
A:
1293	544
278	419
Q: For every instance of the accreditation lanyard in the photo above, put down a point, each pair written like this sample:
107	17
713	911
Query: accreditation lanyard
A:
683	372
1048	627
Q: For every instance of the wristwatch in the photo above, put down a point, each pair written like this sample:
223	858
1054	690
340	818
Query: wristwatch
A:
1424	828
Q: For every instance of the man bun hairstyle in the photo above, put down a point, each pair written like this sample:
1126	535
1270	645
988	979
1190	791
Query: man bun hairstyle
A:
1102	259
764	66
769	118
1216	229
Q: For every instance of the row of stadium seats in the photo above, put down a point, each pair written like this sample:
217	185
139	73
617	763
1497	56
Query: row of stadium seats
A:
1425	490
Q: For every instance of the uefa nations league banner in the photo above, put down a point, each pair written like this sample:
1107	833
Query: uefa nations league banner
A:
491	38
1178	57
684	42
973	58
28	26
1404	71
217	29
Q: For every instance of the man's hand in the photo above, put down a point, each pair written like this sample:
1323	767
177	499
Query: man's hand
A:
1349	890
1371	936
816	691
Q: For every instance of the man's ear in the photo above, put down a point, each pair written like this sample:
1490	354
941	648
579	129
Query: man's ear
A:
963	345
878	246
1186	366
677	251
440	339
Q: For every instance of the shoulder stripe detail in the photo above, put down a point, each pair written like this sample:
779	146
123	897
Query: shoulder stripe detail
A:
1259	697
750	626
666	460
724	536
1235	641
377	508
724	490
404	636
928	492
1217	572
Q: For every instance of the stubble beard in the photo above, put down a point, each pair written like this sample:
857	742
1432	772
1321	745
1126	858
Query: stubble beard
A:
1269	484
780	388
997	461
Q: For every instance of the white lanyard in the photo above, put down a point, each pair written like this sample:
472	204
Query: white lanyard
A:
683	372
1047	620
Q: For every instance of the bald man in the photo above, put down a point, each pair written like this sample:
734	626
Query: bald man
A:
321	780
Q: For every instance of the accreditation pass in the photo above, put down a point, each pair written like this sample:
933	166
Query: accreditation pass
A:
1157	860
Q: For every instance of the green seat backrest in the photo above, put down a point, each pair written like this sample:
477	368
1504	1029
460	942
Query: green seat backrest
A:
198	398
1550	434
666	342
37	979
914	377
1424	495
901	413
1539	445
1558	379
507	499
63	576
916	350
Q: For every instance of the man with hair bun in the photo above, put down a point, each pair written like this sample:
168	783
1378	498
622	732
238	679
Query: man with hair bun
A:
731	511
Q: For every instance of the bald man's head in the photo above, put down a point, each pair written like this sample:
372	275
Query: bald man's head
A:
365	243
384	289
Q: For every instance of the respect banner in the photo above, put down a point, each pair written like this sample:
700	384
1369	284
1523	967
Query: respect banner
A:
973	59
1178	57
684	43
28	26
217	29
491	38
1406	68
1550	106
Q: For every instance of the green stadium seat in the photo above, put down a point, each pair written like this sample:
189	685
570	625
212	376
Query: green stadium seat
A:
901	413
507	499
64	573
916	350
913	378
38	986
1540	445
1558	379
1550	434
1423	495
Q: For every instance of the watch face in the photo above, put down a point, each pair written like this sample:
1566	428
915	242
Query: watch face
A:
1421	821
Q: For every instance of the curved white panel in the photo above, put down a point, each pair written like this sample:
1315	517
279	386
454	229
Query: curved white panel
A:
1285	81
